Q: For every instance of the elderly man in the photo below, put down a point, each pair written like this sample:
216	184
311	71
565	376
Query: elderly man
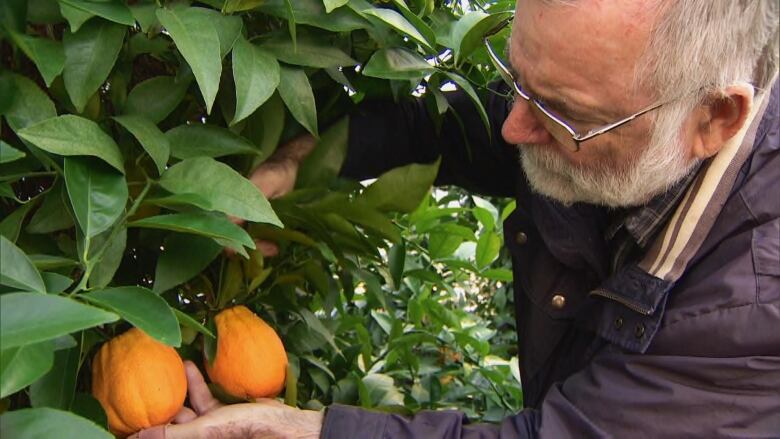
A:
646	243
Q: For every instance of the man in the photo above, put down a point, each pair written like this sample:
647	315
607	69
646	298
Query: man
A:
646	253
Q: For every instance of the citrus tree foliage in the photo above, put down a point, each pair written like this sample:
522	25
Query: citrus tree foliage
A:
128	128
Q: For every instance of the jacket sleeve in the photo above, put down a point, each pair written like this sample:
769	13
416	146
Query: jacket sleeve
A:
384	134
617	395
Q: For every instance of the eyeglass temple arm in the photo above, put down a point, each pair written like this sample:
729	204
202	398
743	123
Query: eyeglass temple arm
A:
503	70
601	130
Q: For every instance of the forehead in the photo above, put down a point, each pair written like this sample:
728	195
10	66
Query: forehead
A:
584	52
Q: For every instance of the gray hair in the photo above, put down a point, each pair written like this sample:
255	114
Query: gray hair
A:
708	45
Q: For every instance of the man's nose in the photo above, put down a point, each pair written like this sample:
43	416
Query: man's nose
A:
522	126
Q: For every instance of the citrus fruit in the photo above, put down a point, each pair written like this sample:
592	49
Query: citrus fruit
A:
250	359
139	381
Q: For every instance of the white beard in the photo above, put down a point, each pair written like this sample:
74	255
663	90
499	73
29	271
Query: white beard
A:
652	172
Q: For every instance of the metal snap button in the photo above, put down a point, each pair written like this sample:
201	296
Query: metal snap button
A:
639	331
521	238
619	323
558	301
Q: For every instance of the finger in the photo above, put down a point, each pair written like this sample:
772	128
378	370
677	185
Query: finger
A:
267	248
156	432
200	397
186	414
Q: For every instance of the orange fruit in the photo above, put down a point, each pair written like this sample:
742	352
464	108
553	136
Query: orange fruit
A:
139	381
250	360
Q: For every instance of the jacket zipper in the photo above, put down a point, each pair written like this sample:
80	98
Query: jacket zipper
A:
623	301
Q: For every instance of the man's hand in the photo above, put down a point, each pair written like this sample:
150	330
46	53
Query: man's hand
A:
210	419
276	177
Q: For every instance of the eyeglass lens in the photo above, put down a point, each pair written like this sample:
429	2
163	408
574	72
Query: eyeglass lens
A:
551	124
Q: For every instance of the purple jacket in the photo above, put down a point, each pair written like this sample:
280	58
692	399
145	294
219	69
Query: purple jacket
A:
679	337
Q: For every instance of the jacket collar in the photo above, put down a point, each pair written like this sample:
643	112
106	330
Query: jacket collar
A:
633	299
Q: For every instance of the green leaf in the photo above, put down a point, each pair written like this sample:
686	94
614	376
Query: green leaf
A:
443	244
71	135
189	322
30	104
13	14
183	258
141	307
157	97
43	12
500	274
55	282
53	215
370	218
180	201
7	92
225	189
23	365
308	50
228	28
86	406
240	5
256	74
396	259
468	32
104	269
324	163
201	140
417	22
17	271
9	154
145	15
217	227
76	17
399	23
312	13
316	326
31	318
469	90
231	282
115	11
488	246
197	40
47	423
90	55
401	189
264	128
11	225
484	217
330	5
57	388
50	262
295	90
382	390
97	193
397	63
48	55
149	136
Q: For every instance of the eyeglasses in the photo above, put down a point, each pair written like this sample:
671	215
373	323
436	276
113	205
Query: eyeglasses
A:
561	130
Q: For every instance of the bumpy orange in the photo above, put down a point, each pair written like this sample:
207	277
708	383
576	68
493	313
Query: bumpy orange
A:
139	381
250	361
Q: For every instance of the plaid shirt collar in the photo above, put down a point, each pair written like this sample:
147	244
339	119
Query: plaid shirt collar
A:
637	226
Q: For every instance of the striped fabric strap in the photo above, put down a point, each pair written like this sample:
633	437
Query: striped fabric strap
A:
674	248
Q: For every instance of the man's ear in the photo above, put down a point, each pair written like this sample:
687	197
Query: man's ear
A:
720	119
